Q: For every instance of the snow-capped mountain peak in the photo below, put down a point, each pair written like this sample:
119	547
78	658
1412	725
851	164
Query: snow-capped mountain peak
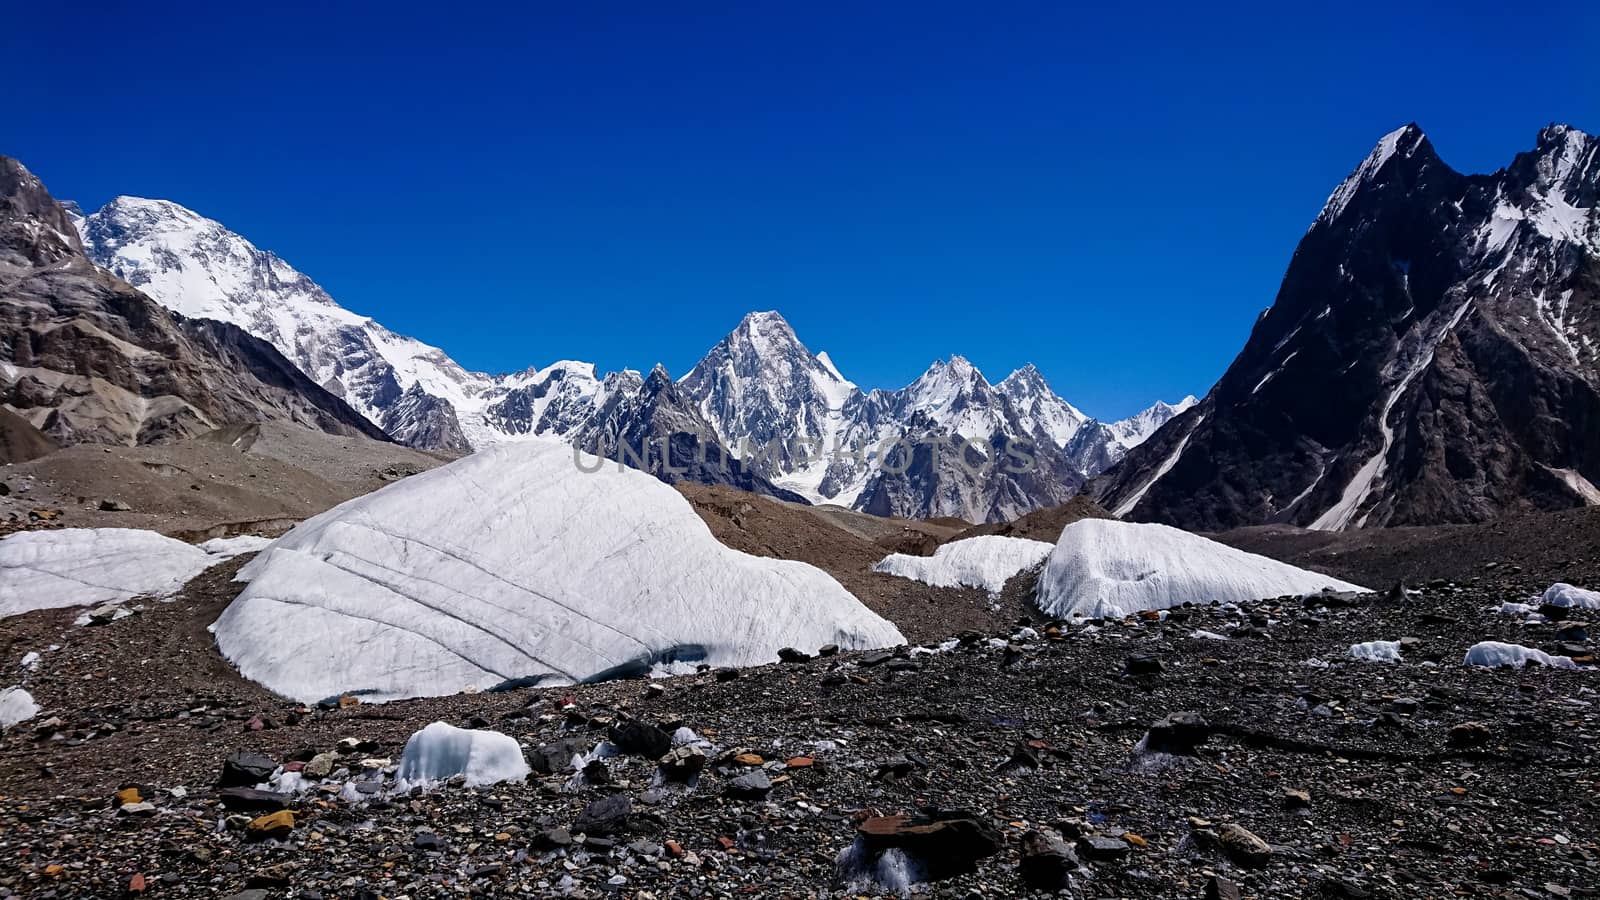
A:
1041	410
198	268
944	386
760	386
1133	430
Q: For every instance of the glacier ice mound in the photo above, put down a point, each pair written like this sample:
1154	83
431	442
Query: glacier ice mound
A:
439	752
1565	595
1108	568
986	561
1494	654
514	563
89	566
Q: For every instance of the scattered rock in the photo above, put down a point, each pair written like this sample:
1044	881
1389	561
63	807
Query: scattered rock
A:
246	770
1142	664
606	816
1046	862
1178	733
321	765
556	756
1102	848
753	785
241	799
944	843
272	825
1219	888
683	763
1243	846
1470	734
640	738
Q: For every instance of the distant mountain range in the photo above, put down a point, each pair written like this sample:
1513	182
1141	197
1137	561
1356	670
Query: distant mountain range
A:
798	427
1432	356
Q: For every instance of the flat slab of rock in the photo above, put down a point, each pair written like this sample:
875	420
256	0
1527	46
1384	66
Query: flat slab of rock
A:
944	843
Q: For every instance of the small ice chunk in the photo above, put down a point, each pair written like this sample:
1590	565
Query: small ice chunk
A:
16	705
440	751
1376	651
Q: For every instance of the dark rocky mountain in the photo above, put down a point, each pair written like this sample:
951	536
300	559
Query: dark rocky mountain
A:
651	425
419	419
88	358
1432	356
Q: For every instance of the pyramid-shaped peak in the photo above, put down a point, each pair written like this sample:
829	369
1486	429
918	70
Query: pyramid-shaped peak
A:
1407	142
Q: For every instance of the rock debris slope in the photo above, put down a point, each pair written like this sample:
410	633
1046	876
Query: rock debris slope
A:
511	564
1433	355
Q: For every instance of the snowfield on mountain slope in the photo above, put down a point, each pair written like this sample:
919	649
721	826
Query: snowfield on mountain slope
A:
511	563
89	566
986	561
1107	568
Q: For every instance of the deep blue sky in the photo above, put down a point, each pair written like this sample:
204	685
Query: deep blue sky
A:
1112	195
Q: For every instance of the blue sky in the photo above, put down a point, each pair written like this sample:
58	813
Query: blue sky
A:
1112	195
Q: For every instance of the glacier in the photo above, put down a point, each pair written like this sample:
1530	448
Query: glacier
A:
522	560
1106	568
89	566
987	561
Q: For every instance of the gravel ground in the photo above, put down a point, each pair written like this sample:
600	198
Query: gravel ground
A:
1303	773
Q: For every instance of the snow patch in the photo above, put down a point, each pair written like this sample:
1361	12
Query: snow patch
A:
229	547
1106	568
